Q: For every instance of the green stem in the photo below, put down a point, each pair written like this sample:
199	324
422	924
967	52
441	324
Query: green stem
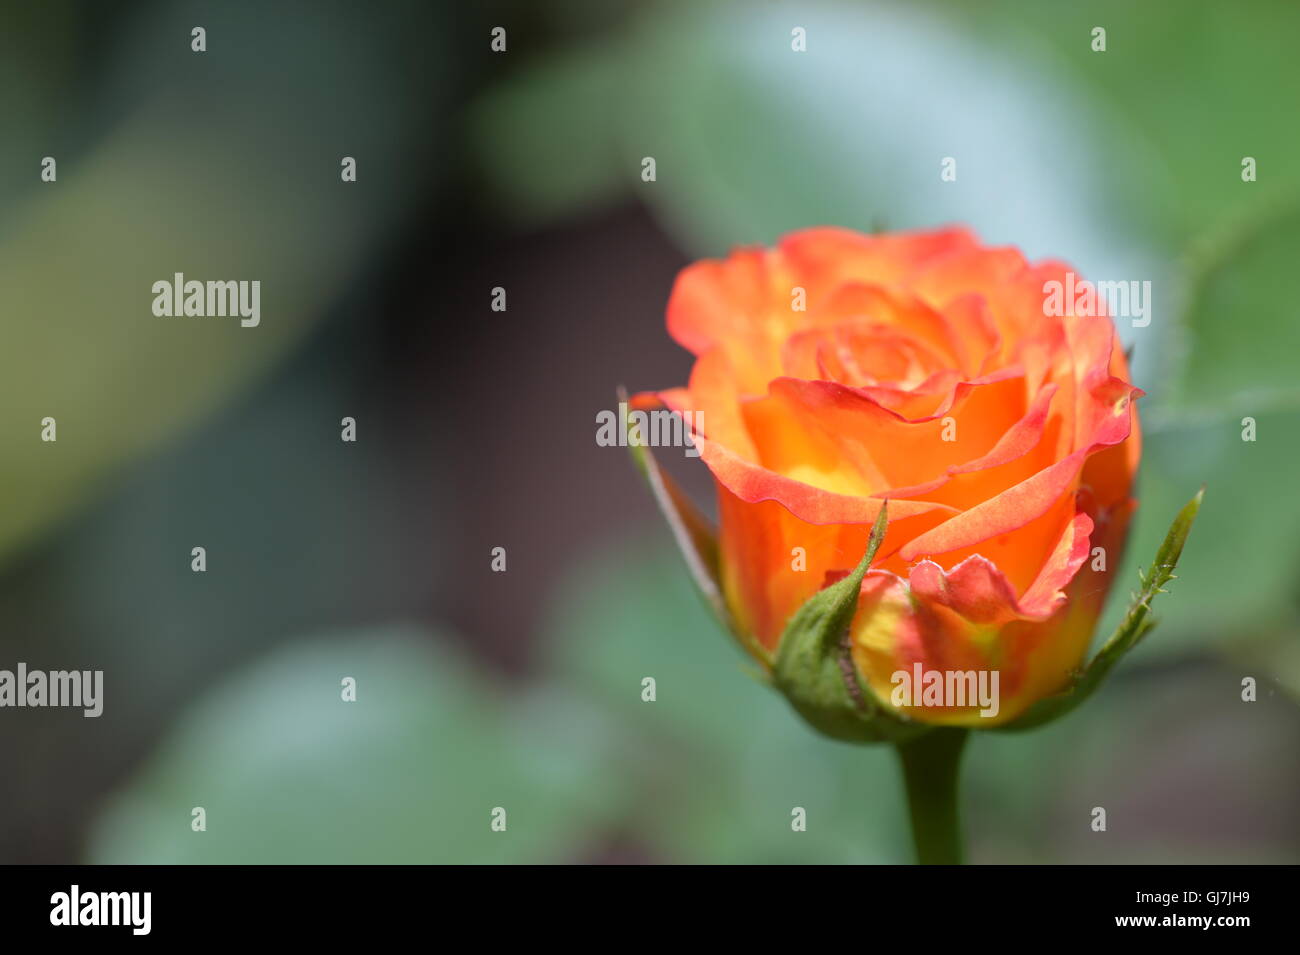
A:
930	773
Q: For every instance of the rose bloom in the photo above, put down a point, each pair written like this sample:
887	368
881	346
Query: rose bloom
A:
839	370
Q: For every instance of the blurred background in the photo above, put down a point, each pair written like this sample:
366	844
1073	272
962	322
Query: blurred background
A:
521	169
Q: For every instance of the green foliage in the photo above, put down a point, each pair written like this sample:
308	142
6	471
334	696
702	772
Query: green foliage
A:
288	772
1240	326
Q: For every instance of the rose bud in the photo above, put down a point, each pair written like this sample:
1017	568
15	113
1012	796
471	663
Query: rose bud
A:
839	371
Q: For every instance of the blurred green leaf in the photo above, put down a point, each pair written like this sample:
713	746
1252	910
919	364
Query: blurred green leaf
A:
545	140
1241	326
410	772
1242	576
220	166
1193	87
753	139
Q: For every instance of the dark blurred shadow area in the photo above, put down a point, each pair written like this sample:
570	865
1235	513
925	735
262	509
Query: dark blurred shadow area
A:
373	560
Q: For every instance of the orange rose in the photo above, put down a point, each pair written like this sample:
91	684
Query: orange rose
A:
839	370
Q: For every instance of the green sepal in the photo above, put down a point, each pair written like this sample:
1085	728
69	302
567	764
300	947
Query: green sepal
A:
695	535
814	666
1137	623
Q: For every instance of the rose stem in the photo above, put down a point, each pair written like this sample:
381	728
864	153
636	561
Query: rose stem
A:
930	770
